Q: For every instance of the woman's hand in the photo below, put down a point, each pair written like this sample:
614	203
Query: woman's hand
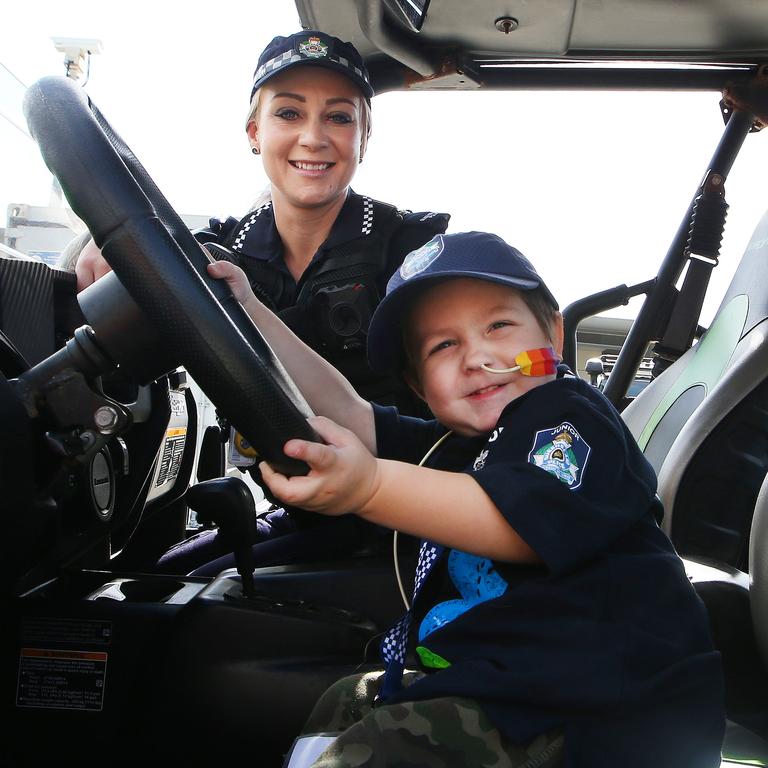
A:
90	266
343	476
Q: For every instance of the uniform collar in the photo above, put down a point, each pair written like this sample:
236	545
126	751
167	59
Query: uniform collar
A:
257	235
355	219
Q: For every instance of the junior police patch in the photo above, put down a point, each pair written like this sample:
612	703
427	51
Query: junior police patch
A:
562	452
417	261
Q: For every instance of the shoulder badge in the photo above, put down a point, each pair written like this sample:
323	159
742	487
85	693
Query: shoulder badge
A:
417	261
314	48
562	452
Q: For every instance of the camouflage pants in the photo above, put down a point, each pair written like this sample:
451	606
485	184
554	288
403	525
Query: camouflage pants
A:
434	733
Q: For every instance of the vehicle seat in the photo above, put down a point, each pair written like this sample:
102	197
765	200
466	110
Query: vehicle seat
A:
742	745
758	571
703	425
704	420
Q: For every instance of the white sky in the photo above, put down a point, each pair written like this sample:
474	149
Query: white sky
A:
590	186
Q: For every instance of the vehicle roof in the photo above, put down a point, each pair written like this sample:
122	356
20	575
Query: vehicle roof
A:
549	43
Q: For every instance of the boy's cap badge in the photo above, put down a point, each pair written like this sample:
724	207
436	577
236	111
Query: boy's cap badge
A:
417	261
562	452
314	48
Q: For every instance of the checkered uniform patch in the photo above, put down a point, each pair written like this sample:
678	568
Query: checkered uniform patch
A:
428	554
367	216
395	642
237	245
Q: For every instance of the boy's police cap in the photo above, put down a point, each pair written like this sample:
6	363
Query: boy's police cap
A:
311	48
464	254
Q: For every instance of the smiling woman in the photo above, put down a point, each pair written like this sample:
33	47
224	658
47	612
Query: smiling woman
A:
308	125
314	251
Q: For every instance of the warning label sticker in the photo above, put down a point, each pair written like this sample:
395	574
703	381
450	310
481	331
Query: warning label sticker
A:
54	632
61	679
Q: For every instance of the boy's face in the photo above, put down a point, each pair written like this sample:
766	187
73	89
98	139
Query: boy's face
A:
457	326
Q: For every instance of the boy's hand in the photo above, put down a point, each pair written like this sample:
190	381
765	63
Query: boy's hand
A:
343	475
235	277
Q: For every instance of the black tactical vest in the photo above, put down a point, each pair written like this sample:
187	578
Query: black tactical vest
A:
335	301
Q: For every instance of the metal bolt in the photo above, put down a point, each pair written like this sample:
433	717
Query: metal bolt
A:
506	24
106	418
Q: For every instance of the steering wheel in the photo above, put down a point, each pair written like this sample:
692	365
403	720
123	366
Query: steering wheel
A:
163	268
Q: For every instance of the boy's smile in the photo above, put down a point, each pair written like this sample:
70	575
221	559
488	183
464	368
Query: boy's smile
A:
459	325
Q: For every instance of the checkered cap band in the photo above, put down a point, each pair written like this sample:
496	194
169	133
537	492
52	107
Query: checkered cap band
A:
291	57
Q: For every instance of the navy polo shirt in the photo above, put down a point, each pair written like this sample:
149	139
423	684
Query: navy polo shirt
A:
605	637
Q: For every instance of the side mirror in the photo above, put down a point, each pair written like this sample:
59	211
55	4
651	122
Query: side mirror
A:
595	370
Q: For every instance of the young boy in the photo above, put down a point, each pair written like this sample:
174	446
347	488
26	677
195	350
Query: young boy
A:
548	601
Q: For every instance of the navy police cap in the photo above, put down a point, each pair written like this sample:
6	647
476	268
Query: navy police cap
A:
311	48
463	254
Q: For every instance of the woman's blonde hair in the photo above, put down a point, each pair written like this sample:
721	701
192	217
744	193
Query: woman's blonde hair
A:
71	253
366	126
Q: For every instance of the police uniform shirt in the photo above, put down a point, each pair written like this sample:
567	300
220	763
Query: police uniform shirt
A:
605	637
367	243
256	237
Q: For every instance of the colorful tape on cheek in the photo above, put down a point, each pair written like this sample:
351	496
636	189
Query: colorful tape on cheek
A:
532	362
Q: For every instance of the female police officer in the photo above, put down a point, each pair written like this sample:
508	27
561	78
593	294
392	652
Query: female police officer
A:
314	251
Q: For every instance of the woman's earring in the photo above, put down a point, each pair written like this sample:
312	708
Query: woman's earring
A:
255	150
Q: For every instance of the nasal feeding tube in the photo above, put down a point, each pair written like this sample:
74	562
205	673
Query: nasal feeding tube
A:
532	362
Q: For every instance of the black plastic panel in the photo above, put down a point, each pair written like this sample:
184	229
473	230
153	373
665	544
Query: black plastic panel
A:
716	498
672	422
191	672
26	307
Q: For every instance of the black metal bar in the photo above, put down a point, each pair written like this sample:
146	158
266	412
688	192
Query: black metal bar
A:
603	79
640	334
580	309
388	75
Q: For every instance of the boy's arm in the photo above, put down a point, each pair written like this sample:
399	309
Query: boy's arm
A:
449	508
324	388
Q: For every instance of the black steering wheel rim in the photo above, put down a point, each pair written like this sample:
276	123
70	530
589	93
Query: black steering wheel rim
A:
162	266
